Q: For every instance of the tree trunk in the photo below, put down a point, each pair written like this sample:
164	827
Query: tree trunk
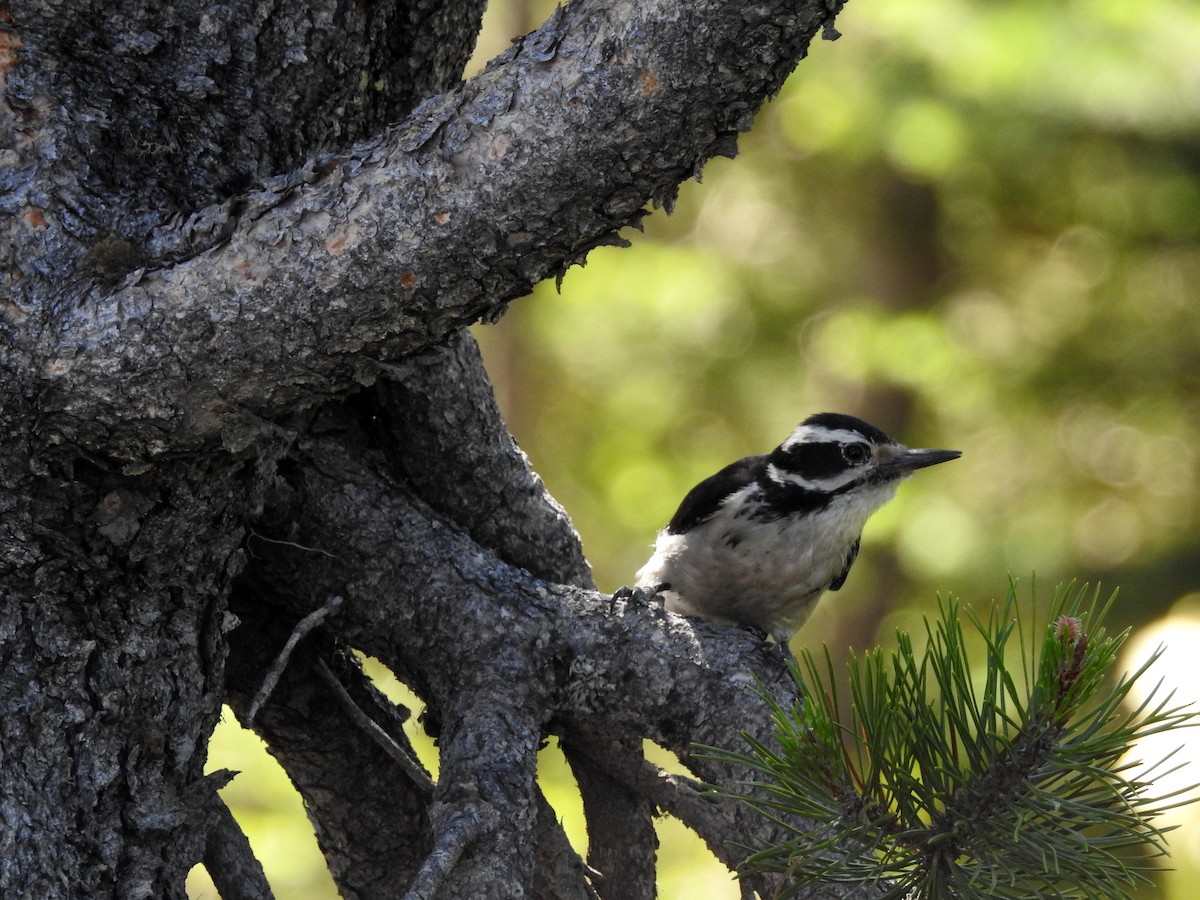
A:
241	244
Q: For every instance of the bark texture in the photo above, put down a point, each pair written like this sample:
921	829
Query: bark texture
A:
240	244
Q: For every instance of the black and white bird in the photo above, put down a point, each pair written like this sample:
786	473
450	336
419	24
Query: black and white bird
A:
757	543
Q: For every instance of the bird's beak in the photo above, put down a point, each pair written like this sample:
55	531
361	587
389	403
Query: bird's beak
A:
906	460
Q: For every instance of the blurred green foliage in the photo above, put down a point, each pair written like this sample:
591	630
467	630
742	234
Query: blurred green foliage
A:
974	223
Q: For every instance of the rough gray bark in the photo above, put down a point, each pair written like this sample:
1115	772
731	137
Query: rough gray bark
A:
444	431
237	263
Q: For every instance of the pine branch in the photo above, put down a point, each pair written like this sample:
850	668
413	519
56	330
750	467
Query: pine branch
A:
1013	781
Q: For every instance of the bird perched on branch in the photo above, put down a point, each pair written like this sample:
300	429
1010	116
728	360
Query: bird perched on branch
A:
757	543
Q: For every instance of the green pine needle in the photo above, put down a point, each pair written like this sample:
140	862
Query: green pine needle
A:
948	783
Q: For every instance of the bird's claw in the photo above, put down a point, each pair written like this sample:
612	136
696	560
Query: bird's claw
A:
640	595
757	632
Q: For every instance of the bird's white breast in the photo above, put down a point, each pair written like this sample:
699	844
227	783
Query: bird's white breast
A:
737	569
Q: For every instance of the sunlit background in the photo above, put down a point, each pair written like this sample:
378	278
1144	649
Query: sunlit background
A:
975	224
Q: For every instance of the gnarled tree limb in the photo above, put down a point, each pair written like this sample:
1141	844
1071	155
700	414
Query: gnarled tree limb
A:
590	664
382	249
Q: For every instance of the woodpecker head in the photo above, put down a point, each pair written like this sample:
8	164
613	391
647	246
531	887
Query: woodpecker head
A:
830	455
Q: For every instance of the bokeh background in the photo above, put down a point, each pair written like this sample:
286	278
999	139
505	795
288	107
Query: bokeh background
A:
974	223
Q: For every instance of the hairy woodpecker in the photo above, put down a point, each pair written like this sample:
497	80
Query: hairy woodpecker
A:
758	543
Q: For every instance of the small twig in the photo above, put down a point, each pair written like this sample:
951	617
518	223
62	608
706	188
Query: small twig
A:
293	544
303	627
412	768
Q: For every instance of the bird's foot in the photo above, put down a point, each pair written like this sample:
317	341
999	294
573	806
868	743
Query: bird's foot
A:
785	650
640	595
757	632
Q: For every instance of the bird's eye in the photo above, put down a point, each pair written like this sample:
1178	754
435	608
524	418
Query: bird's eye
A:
856	454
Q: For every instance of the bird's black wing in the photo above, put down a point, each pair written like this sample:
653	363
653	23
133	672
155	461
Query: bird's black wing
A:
850	558
705	498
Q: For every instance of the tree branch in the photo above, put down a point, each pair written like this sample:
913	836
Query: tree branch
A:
485	807
230	862
442	431
372	825
440	427
404	759
369	815
456	834
383	249
303	627
597	666
622	842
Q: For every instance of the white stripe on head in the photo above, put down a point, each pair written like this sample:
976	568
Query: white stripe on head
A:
819	434
821	485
